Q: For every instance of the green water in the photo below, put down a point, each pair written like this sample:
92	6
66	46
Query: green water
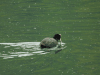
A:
32	20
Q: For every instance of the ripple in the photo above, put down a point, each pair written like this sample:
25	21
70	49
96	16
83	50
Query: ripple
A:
22	49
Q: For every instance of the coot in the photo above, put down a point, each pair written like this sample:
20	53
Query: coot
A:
50	42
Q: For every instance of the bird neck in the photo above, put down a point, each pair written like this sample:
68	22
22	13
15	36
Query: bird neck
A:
55	39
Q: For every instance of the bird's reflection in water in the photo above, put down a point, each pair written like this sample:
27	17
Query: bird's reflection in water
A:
57	51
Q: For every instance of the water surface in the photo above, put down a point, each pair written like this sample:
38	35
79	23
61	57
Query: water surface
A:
24	23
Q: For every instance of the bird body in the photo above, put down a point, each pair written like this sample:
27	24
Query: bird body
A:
50	42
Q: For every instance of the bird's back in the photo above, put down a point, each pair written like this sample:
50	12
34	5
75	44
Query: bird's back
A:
48	42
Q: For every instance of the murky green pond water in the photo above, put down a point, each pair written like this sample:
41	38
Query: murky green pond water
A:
24	23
